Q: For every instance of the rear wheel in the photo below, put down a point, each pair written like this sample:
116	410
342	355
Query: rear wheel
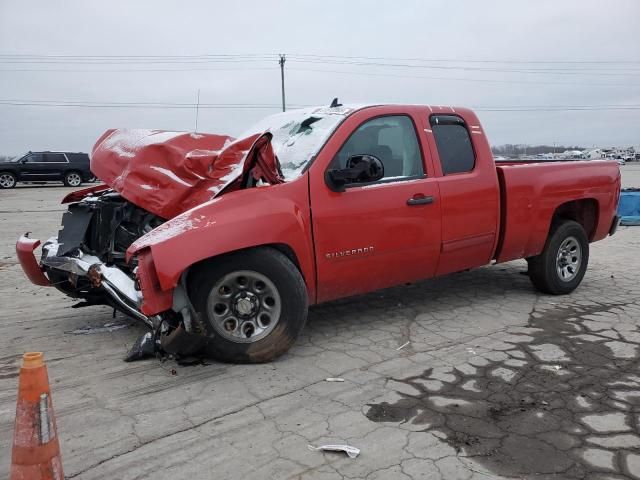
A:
253	303
561	266
7	180
72	179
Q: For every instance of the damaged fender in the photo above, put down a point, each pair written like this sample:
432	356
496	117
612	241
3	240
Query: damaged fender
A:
274	215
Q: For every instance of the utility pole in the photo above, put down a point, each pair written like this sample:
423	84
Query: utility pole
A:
281	62
197	111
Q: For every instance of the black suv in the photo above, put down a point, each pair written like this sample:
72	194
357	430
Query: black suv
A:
70	168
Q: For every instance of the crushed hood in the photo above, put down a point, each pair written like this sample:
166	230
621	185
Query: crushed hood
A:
168	173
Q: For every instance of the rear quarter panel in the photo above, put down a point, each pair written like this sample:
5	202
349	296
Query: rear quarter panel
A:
532	192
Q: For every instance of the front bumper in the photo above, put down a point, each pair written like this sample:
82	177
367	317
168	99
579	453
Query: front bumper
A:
24	250
118	286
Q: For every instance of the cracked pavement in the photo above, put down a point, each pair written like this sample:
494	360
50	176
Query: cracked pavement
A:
497	381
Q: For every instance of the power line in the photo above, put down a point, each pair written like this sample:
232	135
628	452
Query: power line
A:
474	80
167	105
529	71
112	70
597	68
139	105
248	61
270	56
450	60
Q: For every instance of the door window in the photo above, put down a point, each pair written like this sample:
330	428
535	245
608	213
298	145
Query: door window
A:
34	158
454	144
392	139
54	158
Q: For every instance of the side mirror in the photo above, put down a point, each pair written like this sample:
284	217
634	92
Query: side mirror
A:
360	168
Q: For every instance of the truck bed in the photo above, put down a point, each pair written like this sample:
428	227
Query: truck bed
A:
532	193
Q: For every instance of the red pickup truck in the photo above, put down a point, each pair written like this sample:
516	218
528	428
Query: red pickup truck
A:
220	244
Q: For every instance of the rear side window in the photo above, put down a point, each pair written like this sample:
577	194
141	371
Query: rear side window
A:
78	157
454	144
54	158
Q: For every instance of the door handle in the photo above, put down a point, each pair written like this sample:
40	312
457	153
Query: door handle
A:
420	200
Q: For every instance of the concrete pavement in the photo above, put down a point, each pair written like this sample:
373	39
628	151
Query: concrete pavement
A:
496	380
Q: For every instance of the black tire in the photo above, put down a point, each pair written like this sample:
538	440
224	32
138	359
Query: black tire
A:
288	281
543	268
8	180
71	179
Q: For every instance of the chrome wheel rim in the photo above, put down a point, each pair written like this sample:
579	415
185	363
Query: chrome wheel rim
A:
569	259
74	179
244	306
7	181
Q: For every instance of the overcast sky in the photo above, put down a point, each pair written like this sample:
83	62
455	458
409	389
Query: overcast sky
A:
475	34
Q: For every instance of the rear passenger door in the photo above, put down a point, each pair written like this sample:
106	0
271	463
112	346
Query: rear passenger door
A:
469	193
54	165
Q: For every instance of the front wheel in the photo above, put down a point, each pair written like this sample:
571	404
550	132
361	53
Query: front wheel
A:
7	180
72	179
561	266
253	303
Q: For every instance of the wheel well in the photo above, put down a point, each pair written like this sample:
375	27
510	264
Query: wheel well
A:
281	247
584	211
287	250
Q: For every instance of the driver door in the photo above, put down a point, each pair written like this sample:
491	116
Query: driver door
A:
32	167
375	235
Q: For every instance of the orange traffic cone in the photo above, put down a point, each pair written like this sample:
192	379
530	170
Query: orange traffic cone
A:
36	452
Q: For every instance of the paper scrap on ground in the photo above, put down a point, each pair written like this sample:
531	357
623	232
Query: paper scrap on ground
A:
334	379
353	452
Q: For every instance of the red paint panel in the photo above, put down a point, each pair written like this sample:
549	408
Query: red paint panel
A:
277	214
154	299
393	241
168	173
468	242
24	250
470	201
532	193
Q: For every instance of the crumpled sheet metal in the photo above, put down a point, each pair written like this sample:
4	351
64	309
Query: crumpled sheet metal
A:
352	452
168	173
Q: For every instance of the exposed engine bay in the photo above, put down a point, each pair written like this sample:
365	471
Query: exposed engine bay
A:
88	262
112	225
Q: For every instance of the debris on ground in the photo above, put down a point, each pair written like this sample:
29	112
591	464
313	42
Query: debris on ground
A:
334	379
106	328
353	452
144	346
403	345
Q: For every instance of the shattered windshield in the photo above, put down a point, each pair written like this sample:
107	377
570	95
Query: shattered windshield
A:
298	135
